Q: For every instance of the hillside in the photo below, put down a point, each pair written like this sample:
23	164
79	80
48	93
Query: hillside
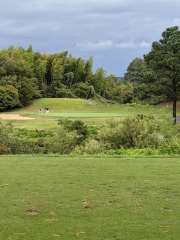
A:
87	110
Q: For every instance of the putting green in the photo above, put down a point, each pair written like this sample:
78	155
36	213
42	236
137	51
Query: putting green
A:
84	115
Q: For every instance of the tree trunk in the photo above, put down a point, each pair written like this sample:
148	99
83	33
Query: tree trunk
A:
174	110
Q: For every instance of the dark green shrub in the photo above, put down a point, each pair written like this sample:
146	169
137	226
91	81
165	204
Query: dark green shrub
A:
58	90
83	90
80	128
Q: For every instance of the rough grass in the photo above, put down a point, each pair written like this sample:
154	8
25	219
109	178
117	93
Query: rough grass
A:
86	110
89	198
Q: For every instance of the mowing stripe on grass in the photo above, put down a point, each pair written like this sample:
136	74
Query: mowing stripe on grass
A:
84	115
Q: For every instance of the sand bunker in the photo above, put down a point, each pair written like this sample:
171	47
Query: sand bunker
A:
14	117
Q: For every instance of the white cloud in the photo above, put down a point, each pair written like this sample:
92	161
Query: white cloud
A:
101	45
132	45
125	45
144	44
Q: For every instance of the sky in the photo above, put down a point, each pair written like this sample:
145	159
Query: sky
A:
114	32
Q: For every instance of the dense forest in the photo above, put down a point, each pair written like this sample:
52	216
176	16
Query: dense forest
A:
27	75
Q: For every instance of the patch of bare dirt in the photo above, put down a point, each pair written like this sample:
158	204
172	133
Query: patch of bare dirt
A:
94	104
86	206
14	117
91	103
31	212
52	212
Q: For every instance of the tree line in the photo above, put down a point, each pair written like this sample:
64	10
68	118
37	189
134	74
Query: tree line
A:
26	75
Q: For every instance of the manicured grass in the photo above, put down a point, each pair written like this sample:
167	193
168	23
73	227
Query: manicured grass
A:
84	115
89	198
86	110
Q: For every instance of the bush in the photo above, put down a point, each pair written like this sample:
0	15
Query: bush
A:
131	132
171	147
90	147
3	148
80	128
63	142
129	136
9	97
6	133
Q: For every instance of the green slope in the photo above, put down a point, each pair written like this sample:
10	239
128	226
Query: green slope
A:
87	110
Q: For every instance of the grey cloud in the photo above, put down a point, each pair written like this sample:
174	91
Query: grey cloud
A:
88	26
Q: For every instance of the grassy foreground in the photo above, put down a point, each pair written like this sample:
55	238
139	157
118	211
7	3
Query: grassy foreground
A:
90	198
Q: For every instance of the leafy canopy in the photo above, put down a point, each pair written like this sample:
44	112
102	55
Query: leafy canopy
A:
163	61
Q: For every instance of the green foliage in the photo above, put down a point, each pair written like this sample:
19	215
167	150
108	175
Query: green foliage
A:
7	64
121	92
133	152
63	142
16	69
103	101
58	90
131	132
28	91
143	93
171	146
139	136
10	80
68	79
90	147
13	144
57	69
24	132
168	129
36	75
6	131
40	66
83	90
9	97
98	81
88	73
3	149
80	128
163	62
135	71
